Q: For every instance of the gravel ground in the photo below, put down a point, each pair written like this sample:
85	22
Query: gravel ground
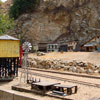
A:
7	87
84	92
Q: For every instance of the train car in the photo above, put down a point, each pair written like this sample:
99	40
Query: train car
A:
9	56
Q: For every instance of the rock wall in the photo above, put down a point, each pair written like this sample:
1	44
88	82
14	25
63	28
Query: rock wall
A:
79	19
5	6
71	66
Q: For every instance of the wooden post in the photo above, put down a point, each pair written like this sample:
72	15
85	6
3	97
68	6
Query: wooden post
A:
17	67
44	89
14	66
8	66
5	66
69	91
0	67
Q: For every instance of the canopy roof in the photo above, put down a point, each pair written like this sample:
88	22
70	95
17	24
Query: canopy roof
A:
91	44
7	37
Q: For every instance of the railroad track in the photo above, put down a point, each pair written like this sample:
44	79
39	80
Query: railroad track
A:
63	79
66	73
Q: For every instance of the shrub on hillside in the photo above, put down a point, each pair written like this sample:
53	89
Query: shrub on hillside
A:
22	6
0	2
6	23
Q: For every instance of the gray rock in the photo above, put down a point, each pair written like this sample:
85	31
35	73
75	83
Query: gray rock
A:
74	69
89	71
96	71
40	53
70	69
66	68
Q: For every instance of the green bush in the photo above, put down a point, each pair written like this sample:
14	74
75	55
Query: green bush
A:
5	23
22	6
0	2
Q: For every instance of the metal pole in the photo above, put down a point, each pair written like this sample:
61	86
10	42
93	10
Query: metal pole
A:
26	47
26	67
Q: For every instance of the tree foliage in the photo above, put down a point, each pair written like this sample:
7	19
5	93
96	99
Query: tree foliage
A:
0	2
22	6
5	23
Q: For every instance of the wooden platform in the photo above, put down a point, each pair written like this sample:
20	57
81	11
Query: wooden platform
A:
23	89
66	89
5	79
45	83
43	87
96	98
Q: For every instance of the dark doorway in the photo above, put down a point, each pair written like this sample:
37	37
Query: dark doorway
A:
63	48
87	49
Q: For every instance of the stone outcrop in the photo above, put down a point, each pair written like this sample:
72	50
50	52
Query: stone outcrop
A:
78	19
71	66
5	6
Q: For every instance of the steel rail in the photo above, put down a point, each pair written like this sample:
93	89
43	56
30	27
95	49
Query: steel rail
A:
63	79
66	73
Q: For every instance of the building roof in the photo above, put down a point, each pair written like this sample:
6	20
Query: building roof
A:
7	37
91	44
64	35
90	40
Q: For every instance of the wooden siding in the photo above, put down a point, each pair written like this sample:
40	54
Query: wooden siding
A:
9	48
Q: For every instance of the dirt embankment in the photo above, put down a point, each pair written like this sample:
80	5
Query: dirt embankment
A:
91	57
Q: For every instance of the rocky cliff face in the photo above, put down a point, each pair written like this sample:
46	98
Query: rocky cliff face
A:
78	19
5	6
